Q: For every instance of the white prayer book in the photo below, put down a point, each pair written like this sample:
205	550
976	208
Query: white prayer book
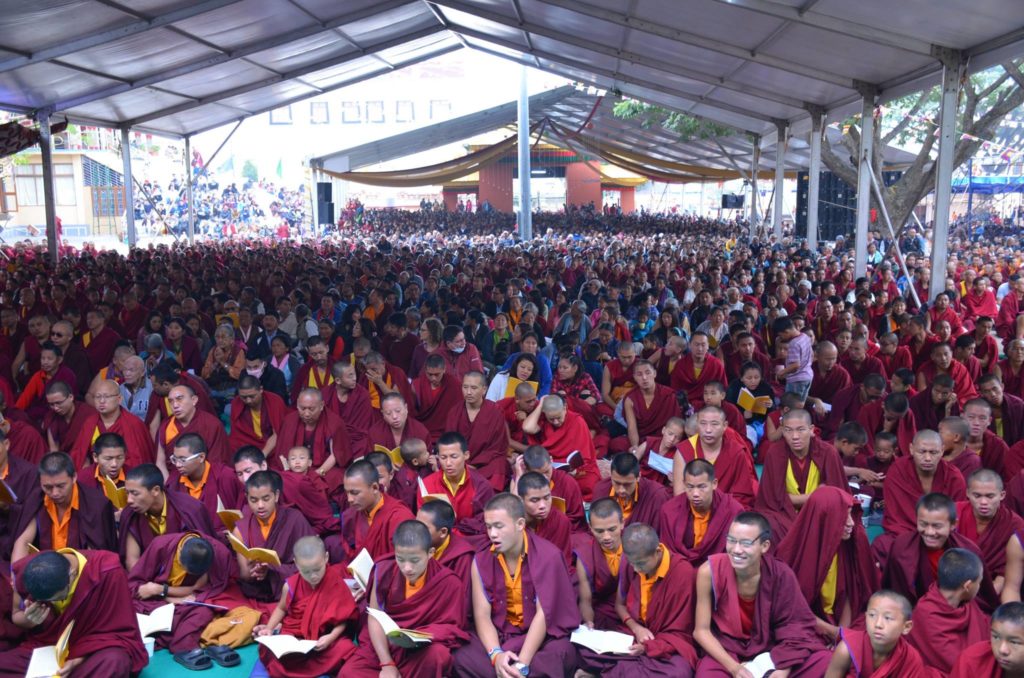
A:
659	463
157	621
761	665
405	638
360	568
602	642
283	645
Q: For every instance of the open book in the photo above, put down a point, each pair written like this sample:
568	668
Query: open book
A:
427	496
761	665
751	403
360	568
227	516
571	463
602	642
558	503
513	383
257	555
157	621
118	496
659	463
47	661
394	453
403	638
282	645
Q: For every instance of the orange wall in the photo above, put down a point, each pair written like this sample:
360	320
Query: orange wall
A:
627	198
496	186
582	185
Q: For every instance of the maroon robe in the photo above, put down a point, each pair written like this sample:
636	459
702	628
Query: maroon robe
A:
963	386
783	623
815	539
871	418
438	608
398	380
458	557
1012	418
977	660
650	497
23	479
992	542
772	499
106	633
556	530
846	406
139	445
572	436
100	348
432	406
683	377
907	569
565	486
1006	322
158	404
208	427
356	412
903	662
272	413
650	419
902	489
826	385
189	620
289	527
26	443
375	537
405	485
91	525
927	414
487	437
468	501
941	632
870	365
734	468
184	514
677	526
901	358
603	582
221	484
65	433
307	493
380	433
329	436
994	454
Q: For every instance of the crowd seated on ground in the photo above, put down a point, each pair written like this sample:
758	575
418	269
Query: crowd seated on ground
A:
729	450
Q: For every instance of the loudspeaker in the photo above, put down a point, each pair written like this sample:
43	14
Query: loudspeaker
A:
325	212
731	201
323	191
837	205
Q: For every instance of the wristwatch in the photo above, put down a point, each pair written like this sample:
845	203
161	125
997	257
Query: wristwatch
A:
523	669
166	589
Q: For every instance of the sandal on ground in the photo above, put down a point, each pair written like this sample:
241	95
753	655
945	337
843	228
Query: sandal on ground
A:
223	655
193	660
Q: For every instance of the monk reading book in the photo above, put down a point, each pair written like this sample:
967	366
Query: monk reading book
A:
1002	654
598	559
416	593
563	432
882	650
315	604
695	523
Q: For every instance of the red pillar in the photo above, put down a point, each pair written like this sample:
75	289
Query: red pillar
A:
451	200
582	185
627	199
496	186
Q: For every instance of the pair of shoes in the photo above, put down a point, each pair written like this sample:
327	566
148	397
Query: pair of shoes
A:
201	660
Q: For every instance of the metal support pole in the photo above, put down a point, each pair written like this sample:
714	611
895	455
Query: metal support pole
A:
892	234
46	152
814	179
867	136
970	193
129	189
525	208
755	160
780	177
188	192
951	70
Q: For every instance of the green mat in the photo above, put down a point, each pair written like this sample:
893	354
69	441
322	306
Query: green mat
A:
162	664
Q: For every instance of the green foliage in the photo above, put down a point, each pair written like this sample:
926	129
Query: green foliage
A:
687	127
250	172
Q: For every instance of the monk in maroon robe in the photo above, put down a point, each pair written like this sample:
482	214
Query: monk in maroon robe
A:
563	485
880	654
567	439
794	467
695	523
1007	419
65	419
394	425
321	432
985	520
482	424
437	393
110	417
379	377
316	371
551	525
351	402
722	447
466	489
640	499
451	549
372	516
935	403
947	618
598	560
195	567
858	364
910	478
105	639
256	416
187	419
748	607
827	531
100	341
893	415
541	594
26	443
646	408
212	484
695	369
829	377
991	657
23	480
426	597
847	404
166	375
315	604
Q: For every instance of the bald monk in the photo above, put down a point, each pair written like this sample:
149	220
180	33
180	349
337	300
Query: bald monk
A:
694	524
416	593
271	526
562	432
404	488
321	432
749	603
212	484
315	604
66	514
179	567
437	393
859	364
23	479
992	449
617	378
186	419
111	417
256	416
656	603
947	618
999	656
516	409
563	485
985	520
695	369
65	417
954	433
714	394
647	408
882	650
466	489
351	402
892	415
943	363
912	564
372	516
166	375
523	601
482	424
828	550
551	525
598	559
794	467
451	549
829	377
153	512
394	425
910	478
54	588
417	464
26	443
727	453
640	499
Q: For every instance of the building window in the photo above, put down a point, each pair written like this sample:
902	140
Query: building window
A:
319	113
281	116
375	112
440	108
351	112
405	111
28	181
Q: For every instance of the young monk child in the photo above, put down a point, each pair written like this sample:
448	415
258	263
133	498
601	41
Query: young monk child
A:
300	462
879	463
315	604
882	649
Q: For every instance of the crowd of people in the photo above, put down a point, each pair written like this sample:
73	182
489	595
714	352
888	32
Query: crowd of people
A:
639	444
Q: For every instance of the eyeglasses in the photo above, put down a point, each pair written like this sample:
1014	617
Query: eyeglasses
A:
746	543
181	461
57	334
